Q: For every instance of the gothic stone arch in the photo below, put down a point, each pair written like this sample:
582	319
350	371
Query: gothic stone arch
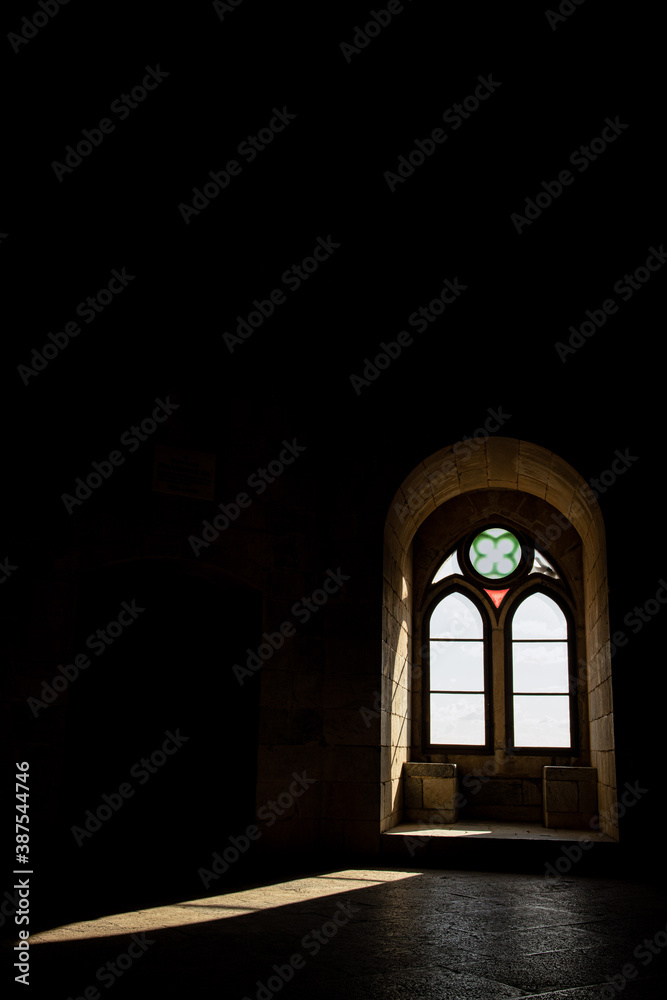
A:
497	464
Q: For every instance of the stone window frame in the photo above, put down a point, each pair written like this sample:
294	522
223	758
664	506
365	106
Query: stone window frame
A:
523	468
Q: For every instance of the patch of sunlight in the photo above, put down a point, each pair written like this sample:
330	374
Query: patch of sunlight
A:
229	904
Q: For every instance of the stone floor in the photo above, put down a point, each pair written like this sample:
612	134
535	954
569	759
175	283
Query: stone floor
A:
379	932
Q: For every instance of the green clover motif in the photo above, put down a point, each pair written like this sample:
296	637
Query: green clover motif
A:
495	553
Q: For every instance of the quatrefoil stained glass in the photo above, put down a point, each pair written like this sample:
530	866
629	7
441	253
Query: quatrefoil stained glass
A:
495	553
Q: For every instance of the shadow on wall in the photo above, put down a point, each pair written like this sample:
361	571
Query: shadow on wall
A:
161	739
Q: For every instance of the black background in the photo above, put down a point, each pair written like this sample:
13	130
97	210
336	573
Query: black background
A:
323	176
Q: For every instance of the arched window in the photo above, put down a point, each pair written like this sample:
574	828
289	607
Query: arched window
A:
499	619
458	707
541	707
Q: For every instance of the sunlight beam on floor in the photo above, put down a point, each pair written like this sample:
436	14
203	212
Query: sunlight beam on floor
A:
230	904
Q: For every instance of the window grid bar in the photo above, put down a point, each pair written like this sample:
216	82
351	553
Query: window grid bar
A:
545	694
440	691
447	639
531	640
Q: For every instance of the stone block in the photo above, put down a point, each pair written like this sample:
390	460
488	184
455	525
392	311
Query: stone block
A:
529	485
398	730
439	792
347	726
607	800
561	796
413	792
387	763
394	795
416	769
496	792
351	801
569	773
595	707
385	728
607	768
606	697
503	462
395	764
339	763
570	796
588	797
346	690
280	762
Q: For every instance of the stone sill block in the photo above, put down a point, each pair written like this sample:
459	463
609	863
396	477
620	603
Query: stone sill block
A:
423	770
570	773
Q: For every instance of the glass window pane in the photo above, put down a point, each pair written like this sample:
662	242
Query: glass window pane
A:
541	722
456	617
540	666
542	565
457	718
457	666
450	566
495	553
539	617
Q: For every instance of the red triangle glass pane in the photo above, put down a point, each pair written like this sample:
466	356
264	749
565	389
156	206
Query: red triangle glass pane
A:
496	595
